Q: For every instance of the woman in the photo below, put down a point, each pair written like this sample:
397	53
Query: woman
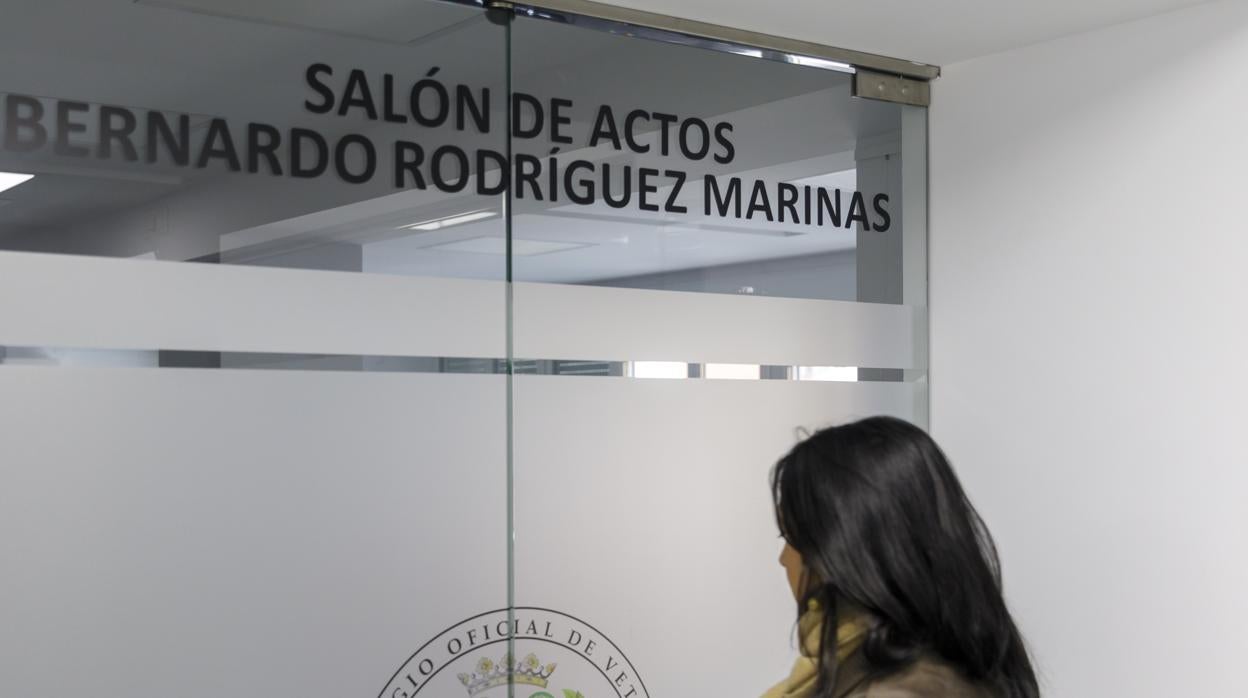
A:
895	575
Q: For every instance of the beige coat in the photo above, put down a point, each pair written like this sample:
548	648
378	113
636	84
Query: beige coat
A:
926	678
929	677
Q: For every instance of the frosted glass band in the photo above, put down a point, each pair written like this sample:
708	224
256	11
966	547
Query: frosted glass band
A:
622	324
128	304
73	357
86	302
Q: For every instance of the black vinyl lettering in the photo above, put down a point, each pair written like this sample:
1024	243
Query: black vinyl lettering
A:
604	127
121	134
606	186
218	143
857	212
528	167
263	140
671	206
298	136
178	145
366	149
788	201
630	131
519	100
418	99
65	127
500	170
886	221
552	178
585	196
559	120
723	201
387	110
666	120
832	207
760	201
644	188
370	159
704	139
408	158
357	94
468	106
327	95
437	169
15	122
722	130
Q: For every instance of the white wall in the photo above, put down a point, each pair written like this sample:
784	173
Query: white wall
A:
1088	295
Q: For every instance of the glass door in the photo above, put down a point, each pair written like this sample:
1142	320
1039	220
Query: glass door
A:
711	252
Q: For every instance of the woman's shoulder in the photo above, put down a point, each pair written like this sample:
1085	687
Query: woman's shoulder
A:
926	678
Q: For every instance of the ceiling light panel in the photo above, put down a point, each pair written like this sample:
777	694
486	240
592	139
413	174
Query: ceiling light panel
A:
498	246
8	180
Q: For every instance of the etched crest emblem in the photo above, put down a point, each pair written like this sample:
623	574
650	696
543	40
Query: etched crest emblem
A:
560	656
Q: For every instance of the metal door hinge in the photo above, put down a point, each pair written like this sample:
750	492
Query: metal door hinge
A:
891	88
500	13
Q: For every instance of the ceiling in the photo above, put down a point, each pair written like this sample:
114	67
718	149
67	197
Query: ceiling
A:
939	33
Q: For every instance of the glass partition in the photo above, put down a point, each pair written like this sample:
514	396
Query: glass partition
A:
493	330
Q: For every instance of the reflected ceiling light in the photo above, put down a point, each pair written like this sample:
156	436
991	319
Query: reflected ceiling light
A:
8	180
733	371
840	374
498	246
812	62
448	221
659	369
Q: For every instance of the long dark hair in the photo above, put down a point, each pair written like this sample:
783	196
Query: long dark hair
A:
881	521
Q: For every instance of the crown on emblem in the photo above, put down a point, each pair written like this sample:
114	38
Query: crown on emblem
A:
489	674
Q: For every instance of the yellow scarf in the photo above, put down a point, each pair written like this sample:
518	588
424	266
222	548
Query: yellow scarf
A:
850	632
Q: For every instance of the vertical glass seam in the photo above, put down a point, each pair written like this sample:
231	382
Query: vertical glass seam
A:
510	349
